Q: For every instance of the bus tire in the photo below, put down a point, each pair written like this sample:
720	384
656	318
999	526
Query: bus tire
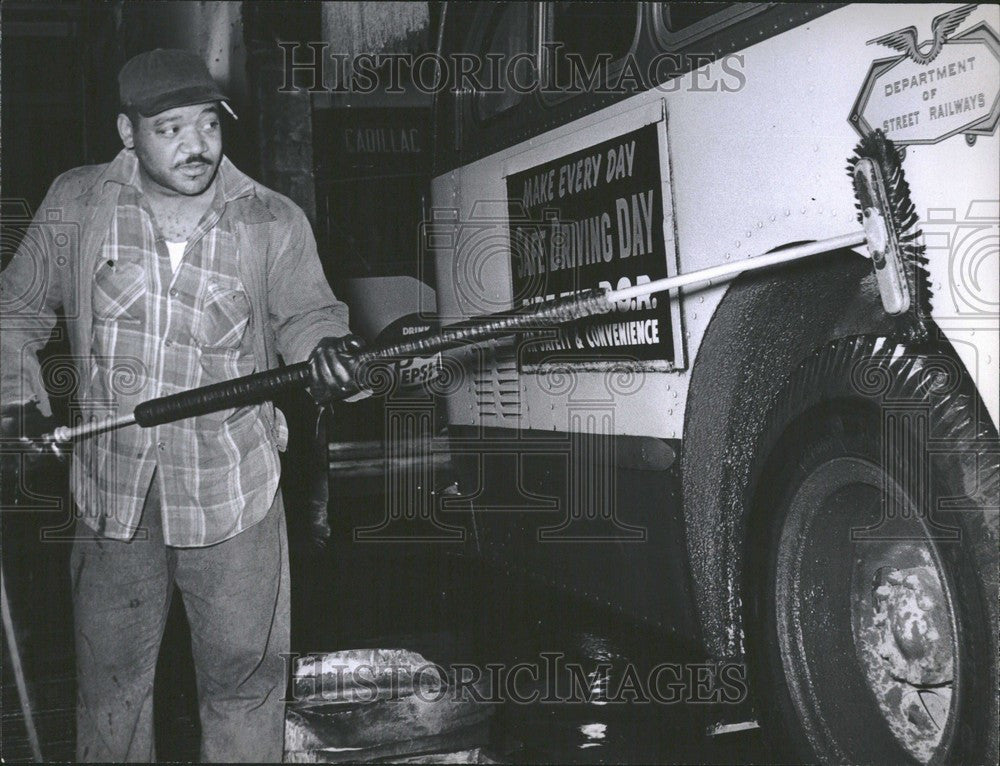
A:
871	592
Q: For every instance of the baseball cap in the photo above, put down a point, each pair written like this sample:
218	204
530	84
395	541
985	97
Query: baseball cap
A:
165	78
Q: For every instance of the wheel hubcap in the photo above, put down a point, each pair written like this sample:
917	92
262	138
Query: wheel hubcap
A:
870	657
903	634
916	633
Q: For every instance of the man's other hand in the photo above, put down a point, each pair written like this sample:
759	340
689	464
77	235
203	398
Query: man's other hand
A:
22	426
331	368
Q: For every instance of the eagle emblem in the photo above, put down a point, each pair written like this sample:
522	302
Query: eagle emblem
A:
905	40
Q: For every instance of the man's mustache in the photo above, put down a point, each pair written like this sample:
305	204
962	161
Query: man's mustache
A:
198	159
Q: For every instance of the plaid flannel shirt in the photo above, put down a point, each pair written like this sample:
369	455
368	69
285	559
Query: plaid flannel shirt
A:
140	330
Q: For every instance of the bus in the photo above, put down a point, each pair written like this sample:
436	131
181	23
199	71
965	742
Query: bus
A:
761	465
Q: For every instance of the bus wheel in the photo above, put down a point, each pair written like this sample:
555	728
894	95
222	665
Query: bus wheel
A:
872	588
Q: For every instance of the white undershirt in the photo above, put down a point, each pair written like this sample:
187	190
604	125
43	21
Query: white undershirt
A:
176	250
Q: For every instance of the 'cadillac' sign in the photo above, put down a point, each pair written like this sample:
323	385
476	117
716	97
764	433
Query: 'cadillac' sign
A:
938	88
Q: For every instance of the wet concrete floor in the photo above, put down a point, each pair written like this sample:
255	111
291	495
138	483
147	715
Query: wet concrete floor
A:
450	611
448	608
568	702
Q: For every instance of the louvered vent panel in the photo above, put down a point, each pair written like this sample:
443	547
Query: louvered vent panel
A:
498	394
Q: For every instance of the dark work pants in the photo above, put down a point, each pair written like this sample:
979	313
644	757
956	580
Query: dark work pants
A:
236	596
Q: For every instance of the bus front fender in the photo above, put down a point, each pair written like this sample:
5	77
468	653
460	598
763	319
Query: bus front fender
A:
762	329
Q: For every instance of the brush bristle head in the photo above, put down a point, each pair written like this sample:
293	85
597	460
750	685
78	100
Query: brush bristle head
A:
903	218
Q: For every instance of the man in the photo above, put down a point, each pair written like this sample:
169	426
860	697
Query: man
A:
174	270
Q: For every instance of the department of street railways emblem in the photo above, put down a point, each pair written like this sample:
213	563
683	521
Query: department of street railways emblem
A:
940	87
